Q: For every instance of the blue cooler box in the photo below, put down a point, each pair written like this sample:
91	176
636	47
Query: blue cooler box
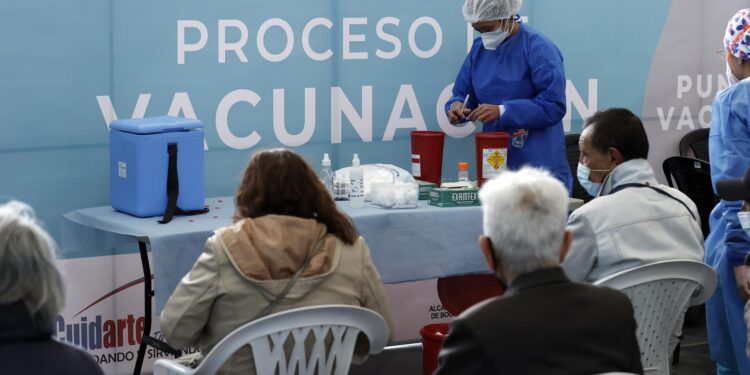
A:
138	164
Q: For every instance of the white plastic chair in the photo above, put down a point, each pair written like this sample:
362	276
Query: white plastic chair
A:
266	336
660	292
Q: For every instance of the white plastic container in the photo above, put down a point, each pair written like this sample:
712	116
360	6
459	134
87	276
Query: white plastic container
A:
356	185
371	174
463	171
394	195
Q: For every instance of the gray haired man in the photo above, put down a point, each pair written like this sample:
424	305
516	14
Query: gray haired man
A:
544	324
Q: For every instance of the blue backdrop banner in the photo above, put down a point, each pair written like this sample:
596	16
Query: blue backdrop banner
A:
316	76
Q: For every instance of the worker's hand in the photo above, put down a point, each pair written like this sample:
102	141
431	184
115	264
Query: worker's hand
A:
454	114
743	285
485	113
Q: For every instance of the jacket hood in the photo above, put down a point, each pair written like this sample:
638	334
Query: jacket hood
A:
634	171
268	250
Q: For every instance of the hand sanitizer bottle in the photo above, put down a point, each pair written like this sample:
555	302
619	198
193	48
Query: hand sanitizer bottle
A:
356	185
326	174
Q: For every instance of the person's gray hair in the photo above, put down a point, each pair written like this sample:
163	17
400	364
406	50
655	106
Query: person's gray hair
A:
28	273
525	214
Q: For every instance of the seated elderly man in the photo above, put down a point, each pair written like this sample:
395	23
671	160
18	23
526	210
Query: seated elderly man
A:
633	220
544	324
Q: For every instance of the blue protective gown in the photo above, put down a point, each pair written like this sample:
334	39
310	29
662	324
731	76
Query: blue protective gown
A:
526	75
727	245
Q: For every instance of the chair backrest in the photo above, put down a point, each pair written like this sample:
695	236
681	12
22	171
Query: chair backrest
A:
332	328
697	142
572	152
660	292
693	177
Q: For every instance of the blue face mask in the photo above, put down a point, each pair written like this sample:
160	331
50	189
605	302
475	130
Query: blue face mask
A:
493	39
591	187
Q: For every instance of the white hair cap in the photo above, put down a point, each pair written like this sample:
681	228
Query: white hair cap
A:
490	10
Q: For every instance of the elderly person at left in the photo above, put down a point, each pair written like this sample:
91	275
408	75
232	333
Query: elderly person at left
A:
31	296
545	323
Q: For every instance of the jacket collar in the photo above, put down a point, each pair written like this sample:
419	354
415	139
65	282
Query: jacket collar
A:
16	324
636	171
537	278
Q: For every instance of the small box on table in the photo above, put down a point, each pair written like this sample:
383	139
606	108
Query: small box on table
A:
443	197
424	189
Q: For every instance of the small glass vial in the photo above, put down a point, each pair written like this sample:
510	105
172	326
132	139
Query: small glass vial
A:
463	171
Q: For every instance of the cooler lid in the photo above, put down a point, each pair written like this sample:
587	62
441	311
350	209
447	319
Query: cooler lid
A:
151	125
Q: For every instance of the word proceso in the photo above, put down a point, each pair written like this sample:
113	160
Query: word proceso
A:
349	37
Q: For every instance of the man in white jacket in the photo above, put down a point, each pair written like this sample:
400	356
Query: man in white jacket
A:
633	219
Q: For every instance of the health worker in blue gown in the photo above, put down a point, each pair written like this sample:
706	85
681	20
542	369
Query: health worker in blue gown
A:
727	246
515	82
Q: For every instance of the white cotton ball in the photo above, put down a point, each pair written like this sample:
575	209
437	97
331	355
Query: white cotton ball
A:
406	193
391	194
413	195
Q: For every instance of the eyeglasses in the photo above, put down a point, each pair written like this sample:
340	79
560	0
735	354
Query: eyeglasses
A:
722	54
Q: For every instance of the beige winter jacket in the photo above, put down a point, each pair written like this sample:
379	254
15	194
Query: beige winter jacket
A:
229	283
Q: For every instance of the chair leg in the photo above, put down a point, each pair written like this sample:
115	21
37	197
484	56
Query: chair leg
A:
676	353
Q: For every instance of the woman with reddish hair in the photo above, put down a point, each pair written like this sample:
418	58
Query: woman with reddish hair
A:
287	229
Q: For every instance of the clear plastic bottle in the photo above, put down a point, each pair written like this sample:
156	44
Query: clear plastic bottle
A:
356	185
326	174
463	171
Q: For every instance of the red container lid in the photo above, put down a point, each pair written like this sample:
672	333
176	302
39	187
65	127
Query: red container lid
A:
492	135
428	133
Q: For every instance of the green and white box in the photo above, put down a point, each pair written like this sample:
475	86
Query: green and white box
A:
442	197
424	189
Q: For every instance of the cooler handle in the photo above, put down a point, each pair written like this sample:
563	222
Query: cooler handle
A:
173	189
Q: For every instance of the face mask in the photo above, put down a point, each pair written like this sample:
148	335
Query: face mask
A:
583	178
730	76
744	217
493	39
